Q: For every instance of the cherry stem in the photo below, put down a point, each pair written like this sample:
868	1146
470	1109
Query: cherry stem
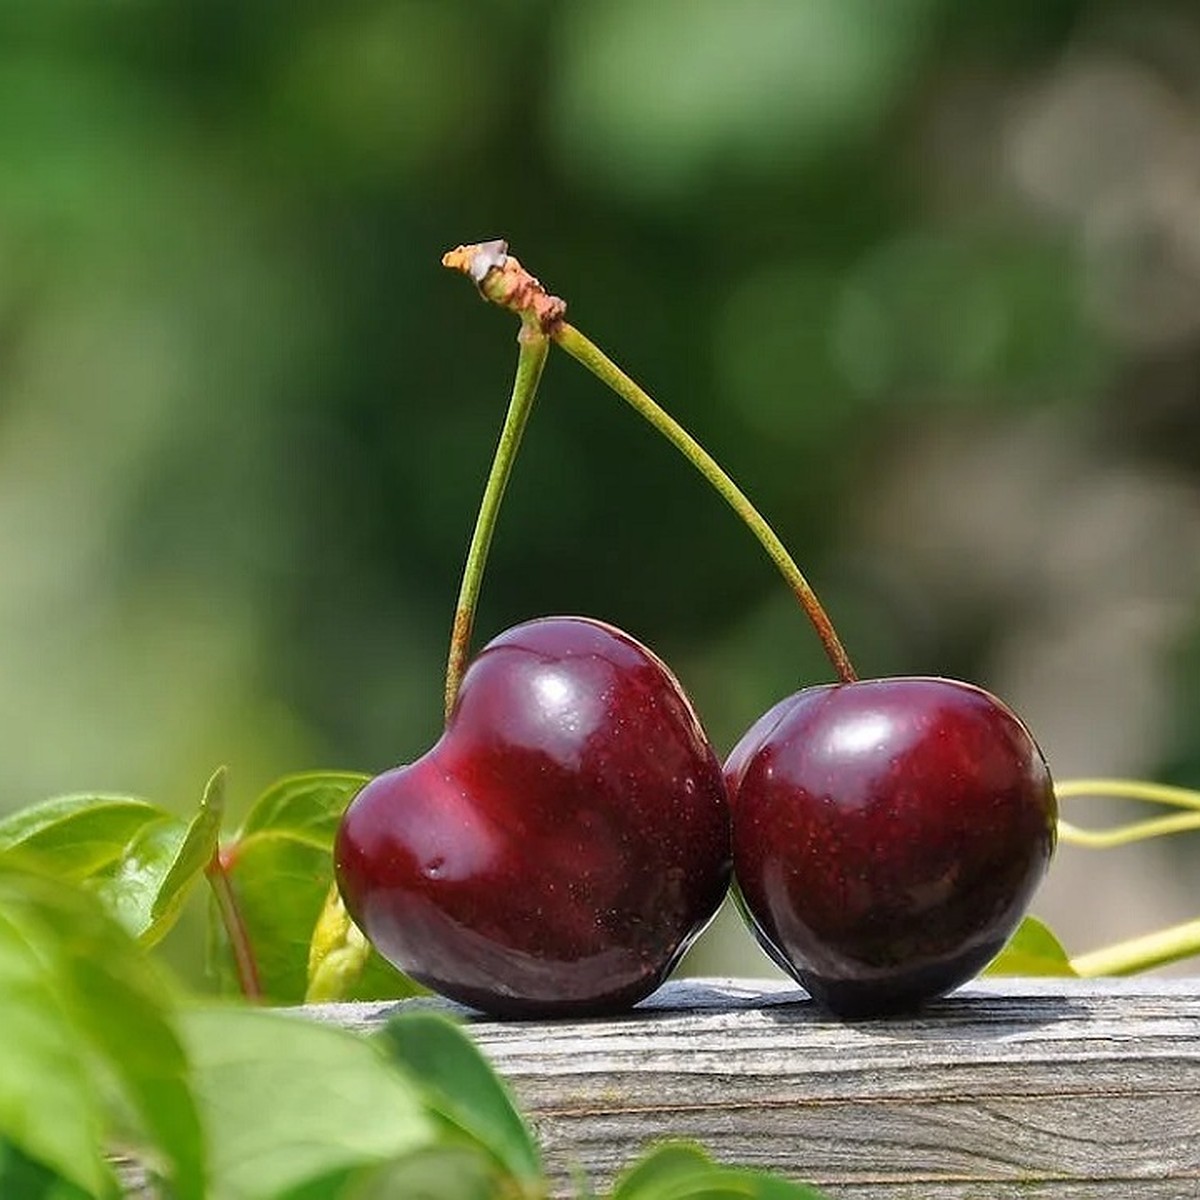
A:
1141	953
230	912
502	280
591	356
532	358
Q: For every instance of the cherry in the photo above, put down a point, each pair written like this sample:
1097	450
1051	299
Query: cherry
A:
887	836
561	845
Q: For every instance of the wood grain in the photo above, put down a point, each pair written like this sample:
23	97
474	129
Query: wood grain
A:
1054	1089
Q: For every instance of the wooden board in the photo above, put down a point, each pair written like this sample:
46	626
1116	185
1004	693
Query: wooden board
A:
1046	1089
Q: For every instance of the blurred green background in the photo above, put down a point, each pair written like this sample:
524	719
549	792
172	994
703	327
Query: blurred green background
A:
924	276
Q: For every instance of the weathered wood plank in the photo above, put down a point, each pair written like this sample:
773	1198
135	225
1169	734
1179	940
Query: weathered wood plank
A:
1056	1089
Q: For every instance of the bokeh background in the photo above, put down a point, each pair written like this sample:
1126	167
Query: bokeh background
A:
924	276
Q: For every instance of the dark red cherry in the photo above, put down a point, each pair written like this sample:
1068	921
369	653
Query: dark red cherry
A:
888	836
561	845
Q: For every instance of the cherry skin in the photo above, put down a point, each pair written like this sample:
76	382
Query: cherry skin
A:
888	836
561	845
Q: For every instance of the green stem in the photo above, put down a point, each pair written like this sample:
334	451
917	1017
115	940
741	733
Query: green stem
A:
586	352
1129	789
532	358
1127	835
1141	953
235	926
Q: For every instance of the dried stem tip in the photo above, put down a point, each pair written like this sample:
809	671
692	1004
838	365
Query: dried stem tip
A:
502	280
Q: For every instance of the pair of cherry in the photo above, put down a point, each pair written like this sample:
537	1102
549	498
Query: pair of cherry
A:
572	832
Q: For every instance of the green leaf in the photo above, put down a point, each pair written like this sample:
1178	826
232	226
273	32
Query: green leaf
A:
337	955
137	857
734	1184
277	885
442	1173
280	867
448	1173
43	1069
87	1036
460	1085
280	887
684	1171
667	1163
195	853
130	885
1032	950
24	1179
307	807
77	837
288	1102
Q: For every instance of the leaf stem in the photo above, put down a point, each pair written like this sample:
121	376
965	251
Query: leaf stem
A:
1141	953
1135	831
1129	789
1127	835
531	359
502	280
217	874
